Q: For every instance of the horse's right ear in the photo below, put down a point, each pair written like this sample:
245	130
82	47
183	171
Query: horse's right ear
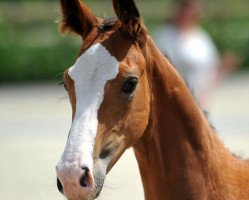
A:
77	17
129	17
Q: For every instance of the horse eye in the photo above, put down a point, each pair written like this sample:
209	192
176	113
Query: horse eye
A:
130	85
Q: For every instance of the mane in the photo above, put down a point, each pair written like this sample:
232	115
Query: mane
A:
205	112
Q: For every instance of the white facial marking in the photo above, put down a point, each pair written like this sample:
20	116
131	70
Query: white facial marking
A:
90	73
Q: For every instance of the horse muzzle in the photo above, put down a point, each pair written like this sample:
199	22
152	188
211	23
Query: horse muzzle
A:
75	183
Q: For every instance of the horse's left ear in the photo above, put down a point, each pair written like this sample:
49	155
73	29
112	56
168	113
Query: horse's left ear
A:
129	17
77	17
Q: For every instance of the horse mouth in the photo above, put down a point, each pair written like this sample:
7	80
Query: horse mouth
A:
97	194
98	190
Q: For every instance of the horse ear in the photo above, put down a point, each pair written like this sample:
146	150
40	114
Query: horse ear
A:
129	17
77	17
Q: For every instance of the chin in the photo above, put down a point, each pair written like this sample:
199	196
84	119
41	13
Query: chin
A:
99	183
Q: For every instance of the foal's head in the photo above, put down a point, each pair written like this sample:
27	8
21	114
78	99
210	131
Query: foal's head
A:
109	94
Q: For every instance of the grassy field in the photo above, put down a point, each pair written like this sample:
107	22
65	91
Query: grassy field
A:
32	49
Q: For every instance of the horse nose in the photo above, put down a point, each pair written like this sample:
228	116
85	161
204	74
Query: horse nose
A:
84	180
72	180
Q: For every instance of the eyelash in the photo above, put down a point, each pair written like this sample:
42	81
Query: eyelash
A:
64	85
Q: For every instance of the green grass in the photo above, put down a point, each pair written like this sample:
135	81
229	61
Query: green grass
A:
32	49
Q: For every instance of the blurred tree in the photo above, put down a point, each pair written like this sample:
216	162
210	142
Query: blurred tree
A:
32	49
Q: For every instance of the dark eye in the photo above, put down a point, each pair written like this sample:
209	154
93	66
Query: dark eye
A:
130	85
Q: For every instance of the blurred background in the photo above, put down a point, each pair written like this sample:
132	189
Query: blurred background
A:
35	112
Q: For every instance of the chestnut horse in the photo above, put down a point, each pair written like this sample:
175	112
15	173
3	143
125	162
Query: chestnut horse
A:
124	93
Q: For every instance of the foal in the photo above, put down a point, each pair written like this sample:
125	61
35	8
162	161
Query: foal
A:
124	93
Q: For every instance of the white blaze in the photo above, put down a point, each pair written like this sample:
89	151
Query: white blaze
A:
90	73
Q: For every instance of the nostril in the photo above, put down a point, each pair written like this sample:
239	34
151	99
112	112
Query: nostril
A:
59	186
86	169
83	179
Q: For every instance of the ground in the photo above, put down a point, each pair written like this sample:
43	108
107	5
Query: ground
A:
35	120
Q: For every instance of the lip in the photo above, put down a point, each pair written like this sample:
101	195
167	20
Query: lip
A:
98	189
97	194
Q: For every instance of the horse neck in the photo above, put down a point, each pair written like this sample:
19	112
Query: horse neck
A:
177	153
